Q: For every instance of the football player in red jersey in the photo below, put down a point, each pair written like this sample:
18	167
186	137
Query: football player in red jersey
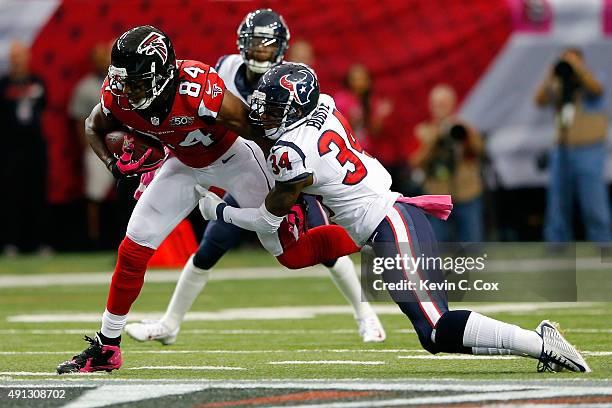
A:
263	38
183	104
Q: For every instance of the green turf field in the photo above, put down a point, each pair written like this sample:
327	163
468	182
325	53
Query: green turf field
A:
257	328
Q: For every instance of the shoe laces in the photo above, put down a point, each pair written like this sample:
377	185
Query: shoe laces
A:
94	347
554	342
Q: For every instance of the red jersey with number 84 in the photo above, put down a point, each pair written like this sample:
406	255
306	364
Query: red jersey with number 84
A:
189	130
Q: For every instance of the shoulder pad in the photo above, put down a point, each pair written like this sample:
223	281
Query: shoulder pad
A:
287	162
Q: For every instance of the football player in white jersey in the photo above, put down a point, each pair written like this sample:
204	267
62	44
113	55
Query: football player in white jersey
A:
316	153
263	38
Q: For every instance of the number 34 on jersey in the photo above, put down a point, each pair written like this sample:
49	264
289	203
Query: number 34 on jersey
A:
287	160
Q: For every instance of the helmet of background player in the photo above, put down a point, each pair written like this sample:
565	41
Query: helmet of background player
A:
143	64
286	95
263	38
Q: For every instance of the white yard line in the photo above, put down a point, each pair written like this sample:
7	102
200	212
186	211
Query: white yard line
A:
458	357
274	272
239	332
256	332
226	368
325	362
43	374
301	351
157	276
288	312
205	351
578	330
472	357
599	387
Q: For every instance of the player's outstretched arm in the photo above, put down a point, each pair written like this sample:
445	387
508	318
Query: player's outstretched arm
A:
265	219
234	115
97	125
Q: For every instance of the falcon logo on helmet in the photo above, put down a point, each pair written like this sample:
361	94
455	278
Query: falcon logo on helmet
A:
143	66
300	85
154	44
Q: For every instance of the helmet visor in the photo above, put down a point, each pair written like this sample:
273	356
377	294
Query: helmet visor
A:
137	89
271	116
261	52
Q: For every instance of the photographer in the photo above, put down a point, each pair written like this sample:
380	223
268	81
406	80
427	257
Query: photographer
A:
449	157
577	161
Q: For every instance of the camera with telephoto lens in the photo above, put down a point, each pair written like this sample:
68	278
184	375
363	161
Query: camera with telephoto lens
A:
444	157
563	70
569	80
458	132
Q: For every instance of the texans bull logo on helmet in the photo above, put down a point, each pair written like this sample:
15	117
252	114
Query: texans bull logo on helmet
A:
300	85
154	44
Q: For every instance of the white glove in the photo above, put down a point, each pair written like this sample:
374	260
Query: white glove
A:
209	203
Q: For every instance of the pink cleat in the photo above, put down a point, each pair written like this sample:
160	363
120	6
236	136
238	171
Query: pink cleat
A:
96	357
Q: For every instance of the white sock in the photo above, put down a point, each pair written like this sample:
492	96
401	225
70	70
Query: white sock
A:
485	351
190	284
346	280
484	332
112	324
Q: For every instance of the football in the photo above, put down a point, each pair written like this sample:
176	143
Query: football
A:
116	140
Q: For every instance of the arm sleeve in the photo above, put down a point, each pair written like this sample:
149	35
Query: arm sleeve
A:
259	219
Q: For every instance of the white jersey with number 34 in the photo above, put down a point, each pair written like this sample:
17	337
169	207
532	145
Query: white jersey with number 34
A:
350	183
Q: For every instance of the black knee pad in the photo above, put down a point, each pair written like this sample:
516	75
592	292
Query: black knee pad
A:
429	345
421	325
449	332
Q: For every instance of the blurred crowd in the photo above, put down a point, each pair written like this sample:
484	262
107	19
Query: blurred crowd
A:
448	160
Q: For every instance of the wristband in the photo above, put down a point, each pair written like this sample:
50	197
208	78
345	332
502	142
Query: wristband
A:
109	162
219	211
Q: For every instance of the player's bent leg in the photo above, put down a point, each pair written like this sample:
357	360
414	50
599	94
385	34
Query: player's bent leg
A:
397	235
169	198
240	172
103	352
463	331
218	238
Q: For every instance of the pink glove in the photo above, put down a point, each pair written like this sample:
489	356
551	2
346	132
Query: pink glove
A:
125	166
293	226
145	180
